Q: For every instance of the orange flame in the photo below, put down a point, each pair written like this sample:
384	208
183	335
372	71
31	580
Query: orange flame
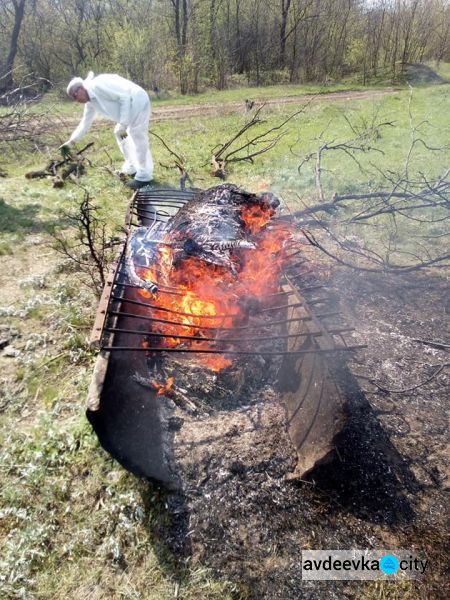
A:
163	389
255	216
203	298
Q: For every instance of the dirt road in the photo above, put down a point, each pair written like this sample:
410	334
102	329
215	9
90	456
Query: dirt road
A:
163	113
186	111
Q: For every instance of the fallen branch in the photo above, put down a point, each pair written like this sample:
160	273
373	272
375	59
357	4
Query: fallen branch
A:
385	266
179	163
74	165
438	345
223	154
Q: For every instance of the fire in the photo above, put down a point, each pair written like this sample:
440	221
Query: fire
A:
163	389
201	298
256	216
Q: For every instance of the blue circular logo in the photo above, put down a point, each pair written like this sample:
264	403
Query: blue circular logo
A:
389	563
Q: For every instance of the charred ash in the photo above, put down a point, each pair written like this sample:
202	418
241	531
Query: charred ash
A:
211	227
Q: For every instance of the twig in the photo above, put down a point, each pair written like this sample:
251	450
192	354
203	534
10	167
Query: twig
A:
438	370
439	345
386	267
52	359
179	162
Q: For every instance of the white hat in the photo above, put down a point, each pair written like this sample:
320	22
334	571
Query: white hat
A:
77	82
74	84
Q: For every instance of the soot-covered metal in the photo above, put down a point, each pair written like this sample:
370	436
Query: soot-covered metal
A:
215	338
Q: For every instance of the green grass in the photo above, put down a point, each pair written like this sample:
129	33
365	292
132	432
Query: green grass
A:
74	524
442	69
195	139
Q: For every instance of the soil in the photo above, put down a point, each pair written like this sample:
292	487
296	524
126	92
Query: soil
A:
385	486
164	113
182	112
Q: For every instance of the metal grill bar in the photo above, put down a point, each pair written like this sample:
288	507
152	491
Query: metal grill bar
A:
162	203
141	266
166	191
162	200
139	210
172	290
155	218
161	290
224	316
219	328
224	341
236	352
175	312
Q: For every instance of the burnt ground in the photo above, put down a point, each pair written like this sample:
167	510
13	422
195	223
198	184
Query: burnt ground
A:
385	486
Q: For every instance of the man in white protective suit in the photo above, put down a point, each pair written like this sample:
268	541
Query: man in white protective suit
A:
128	105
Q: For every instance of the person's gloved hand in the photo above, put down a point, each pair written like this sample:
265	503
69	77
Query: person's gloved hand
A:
121	131
65	149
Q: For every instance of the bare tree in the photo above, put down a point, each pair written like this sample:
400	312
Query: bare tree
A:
187	43
180	23
285	6
20	121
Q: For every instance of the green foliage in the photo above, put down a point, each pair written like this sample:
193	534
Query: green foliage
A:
5	248
166	45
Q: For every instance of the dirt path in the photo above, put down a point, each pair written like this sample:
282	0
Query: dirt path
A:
186	111
220	108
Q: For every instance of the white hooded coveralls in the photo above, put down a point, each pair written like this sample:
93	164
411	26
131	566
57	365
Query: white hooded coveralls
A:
128	105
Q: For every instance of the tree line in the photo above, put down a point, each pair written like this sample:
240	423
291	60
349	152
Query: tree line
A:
192	44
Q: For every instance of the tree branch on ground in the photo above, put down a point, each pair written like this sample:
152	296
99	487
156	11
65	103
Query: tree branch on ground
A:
74	168
231	151
179	163
406	203
437	370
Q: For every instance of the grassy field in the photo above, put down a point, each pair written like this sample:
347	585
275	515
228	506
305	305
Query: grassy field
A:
73	523
237	94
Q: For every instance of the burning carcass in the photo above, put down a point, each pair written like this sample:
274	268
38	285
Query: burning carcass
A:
215	342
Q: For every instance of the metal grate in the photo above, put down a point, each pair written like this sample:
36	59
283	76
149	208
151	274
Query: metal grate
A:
303	319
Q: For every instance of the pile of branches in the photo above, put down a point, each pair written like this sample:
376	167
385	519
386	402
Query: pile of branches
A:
72	166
